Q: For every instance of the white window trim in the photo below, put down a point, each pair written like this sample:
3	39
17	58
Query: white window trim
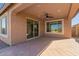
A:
54	32
4	35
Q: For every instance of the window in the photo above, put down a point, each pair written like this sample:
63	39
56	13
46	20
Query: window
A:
4	25
54	27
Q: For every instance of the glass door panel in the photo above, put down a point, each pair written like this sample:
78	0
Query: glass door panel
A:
29	29
36	28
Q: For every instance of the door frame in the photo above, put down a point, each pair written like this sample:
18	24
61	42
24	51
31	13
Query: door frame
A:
33	28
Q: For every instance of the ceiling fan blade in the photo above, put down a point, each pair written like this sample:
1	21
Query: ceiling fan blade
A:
50	17
47	15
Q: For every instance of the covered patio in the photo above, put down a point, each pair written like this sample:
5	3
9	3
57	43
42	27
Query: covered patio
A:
39	29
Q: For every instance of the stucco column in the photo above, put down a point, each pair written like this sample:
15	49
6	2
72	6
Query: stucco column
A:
42	27
67	28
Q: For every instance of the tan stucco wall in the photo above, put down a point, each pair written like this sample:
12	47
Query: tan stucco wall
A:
18	28
67	28
42	27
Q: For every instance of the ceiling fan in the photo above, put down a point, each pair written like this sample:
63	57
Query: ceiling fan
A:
47	16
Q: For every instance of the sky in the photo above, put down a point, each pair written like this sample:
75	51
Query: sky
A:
1	5
75	20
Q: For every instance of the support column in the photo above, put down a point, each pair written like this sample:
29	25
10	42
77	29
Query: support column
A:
67	28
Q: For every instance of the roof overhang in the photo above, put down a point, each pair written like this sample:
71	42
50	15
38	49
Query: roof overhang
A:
4	7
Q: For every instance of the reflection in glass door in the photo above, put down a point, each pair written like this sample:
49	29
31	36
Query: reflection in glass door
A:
32	28
35	28
29	28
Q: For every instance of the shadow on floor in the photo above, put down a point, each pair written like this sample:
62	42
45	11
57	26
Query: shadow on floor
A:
3	45
39	45
76	39
32	47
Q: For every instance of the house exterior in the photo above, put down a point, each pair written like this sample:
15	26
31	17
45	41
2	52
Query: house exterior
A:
75	30
22	22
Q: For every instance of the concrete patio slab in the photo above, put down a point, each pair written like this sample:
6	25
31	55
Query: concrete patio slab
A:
43	47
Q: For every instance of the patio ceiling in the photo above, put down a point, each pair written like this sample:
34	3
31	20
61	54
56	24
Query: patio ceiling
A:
53	9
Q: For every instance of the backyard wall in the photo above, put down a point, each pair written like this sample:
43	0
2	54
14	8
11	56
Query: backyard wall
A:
75	31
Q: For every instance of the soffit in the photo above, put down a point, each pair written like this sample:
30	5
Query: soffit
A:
58	10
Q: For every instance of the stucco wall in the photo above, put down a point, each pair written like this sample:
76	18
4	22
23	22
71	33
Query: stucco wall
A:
67	28
18	28
42	27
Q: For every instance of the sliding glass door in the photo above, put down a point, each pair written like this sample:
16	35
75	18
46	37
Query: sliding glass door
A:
32	28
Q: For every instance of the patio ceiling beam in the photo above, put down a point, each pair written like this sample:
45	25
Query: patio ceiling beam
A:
21	7
4	7
73	11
